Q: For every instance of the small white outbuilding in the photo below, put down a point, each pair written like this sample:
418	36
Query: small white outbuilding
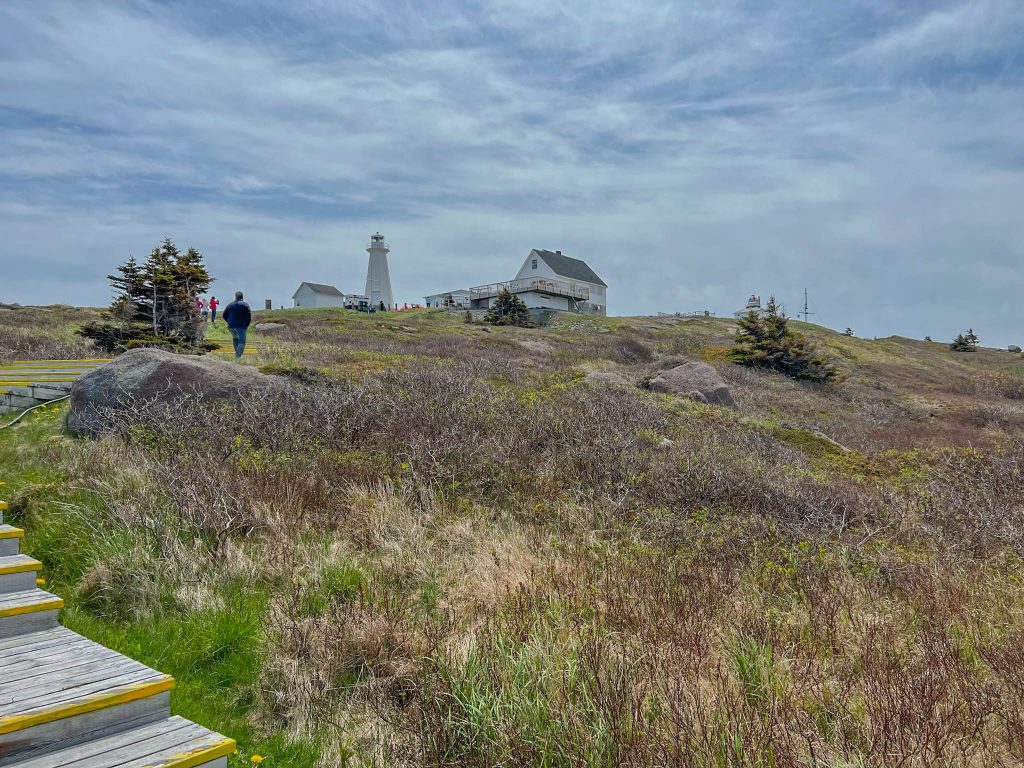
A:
310	295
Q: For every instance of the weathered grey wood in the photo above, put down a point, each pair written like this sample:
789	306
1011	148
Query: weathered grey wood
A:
18	582
79	728
56	693
129	723
57	635
11	626
50	652
157	752
67	663
43	651
104	671
9	544
174	730
34	596
15	644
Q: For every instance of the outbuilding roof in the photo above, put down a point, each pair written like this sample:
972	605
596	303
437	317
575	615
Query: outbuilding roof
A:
324	290
566	266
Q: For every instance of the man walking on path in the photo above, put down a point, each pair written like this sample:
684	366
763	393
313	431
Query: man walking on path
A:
213	310
238	316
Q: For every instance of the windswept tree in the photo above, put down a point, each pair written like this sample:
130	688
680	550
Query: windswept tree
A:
154	302
965	342
767	341
508	309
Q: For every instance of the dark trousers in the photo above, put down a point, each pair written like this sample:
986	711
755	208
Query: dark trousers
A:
213	317
238	340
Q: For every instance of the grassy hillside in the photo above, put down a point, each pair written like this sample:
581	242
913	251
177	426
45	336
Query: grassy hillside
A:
448	548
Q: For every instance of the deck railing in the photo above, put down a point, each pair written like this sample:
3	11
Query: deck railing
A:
539	284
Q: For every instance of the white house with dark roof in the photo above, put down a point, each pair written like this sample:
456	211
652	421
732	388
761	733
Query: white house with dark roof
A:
551	280
457	298
309	295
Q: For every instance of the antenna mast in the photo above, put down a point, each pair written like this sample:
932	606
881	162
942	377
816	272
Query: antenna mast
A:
806	313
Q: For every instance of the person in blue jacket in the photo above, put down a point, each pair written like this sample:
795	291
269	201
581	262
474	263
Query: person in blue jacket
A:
238	316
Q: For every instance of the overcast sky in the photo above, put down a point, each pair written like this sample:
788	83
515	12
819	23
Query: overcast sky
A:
691	152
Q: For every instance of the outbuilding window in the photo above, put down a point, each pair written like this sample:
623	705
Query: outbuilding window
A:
533	264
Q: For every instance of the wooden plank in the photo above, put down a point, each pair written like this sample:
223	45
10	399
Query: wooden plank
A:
88	698
59	634
45	647
34	604
94	678
18	564
62	663
175	729
28	622
57	734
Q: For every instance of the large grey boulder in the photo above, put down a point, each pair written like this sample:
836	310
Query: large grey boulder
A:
142	375
695	380
1013	348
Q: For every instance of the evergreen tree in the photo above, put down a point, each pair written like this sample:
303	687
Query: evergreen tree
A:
155	302
768	342
965	342
508	309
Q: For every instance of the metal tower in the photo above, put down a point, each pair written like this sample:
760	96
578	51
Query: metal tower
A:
378	277
806	313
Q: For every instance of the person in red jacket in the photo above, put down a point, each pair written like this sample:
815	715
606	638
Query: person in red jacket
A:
213	310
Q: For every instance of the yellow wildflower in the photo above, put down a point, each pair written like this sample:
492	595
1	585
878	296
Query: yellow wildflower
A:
41	581
256	758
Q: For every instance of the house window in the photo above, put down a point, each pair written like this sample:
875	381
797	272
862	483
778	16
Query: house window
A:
533	264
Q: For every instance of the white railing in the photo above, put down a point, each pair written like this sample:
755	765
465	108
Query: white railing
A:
539	284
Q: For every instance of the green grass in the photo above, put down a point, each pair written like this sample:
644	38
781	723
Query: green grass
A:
214	654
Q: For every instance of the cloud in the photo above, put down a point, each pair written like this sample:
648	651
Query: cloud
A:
692	153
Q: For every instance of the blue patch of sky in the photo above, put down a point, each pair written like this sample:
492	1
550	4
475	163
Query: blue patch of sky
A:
24	119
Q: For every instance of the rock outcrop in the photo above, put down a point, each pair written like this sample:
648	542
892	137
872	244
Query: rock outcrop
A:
142	375
695	380
1013	348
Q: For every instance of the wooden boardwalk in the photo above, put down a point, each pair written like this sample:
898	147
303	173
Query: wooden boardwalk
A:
67	701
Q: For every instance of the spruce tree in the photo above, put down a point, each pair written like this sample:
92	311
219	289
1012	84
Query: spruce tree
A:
154	302
965	342
508	309
768	342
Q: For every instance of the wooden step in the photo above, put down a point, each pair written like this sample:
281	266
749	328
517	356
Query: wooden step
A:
171	743
3	506
63	690
10	540
25	612
18	573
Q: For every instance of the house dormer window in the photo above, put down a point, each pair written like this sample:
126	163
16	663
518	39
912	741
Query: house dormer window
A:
533	264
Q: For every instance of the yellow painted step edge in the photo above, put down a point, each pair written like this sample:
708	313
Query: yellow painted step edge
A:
21	566
197	756
11	533
19	610
3	505
120	695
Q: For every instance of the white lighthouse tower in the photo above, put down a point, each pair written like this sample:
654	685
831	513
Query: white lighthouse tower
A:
378	277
